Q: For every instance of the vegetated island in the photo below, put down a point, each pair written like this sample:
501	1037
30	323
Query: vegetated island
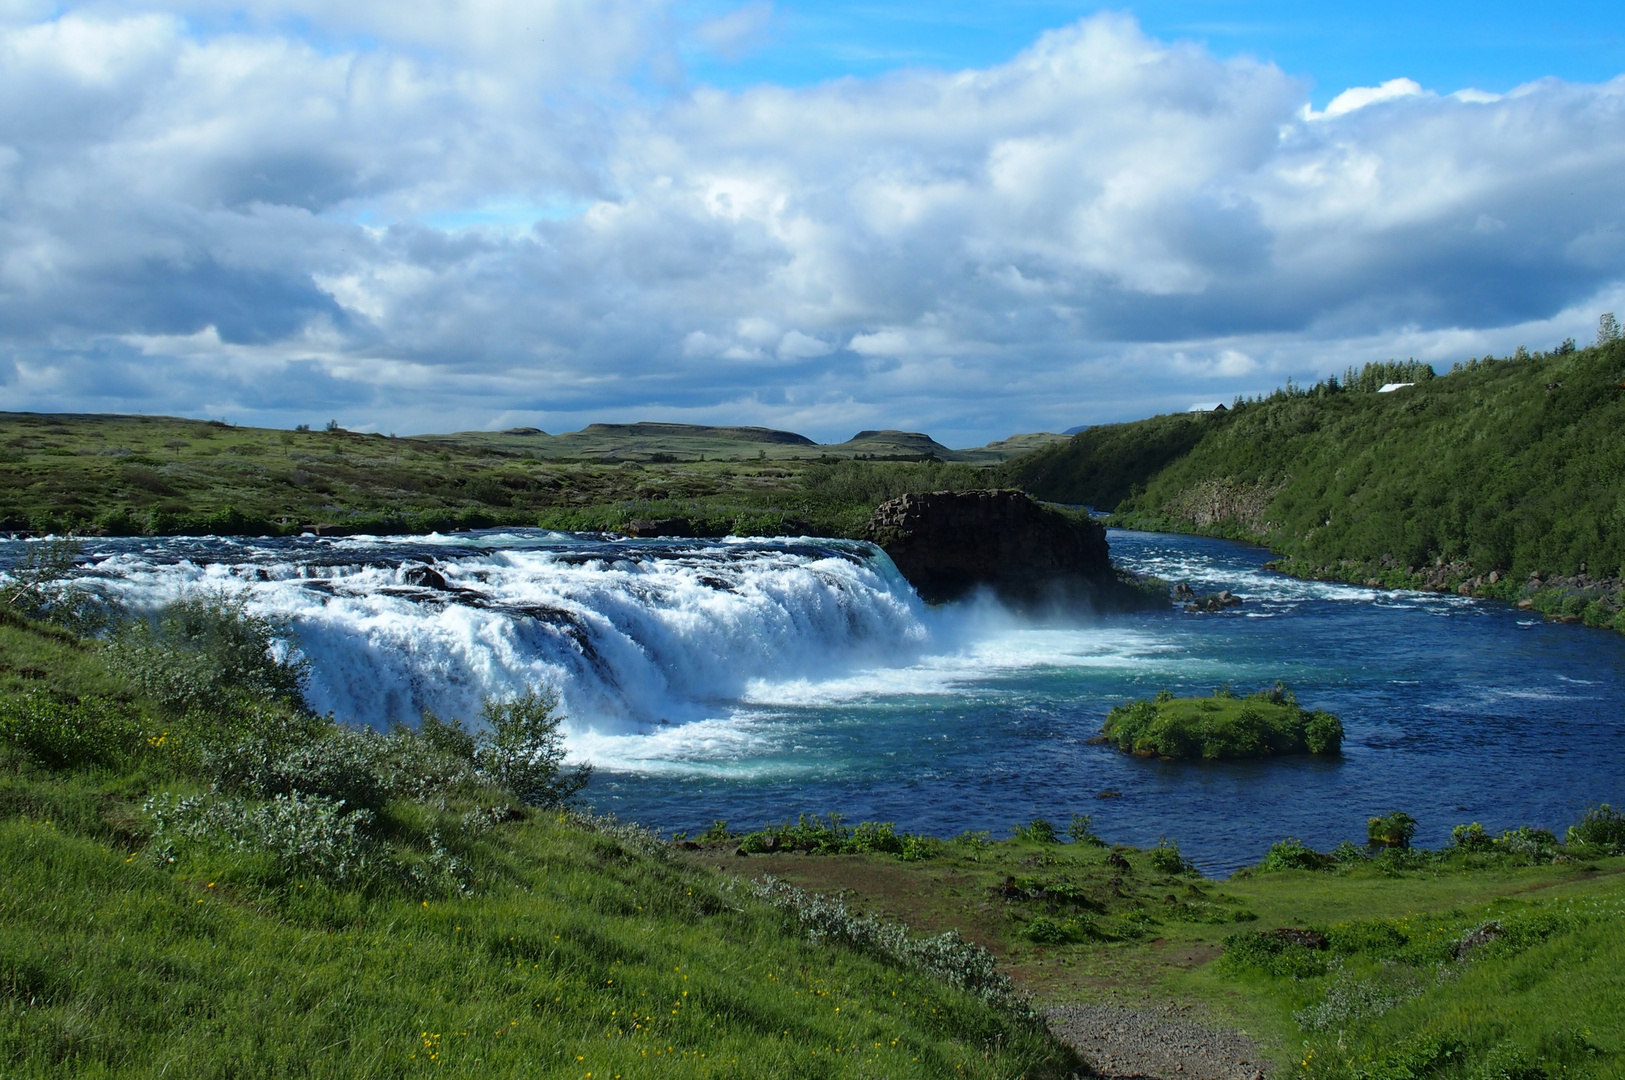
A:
1222	726
1502	478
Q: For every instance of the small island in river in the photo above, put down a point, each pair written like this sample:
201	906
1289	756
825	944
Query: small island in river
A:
1222	726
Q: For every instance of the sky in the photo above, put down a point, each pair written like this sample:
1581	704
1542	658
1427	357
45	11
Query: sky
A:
966	219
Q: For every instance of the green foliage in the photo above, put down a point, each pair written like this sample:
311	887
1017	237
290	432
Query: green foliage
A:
89	733
947	956
523	750
207	653
302	835
1166	859
1291	854
1036	831
1223	726
1600	827
1393	829
1472	837
1082	831
1508	465
41	587
830	836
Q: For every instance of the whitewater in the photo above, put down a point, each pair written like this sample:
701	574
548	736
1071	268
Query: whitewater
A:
751	679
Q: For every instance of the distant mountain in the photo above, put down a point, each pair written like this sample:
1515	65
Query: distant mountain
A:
650	430
1076	430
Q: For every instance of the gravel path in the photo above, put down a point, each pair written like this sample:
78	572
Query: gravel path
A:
1160	1043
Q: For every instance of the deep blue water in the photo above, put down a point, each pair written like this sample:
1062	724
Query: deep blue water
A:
1454	710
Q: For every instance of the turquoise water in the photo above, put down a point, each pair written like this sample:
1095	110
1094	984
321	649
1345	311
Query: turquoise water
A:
1455	710
752	680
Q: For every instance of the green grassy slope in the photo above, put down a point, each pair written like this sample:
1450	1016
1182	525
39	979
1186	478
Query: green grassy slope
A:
480	937
1512	466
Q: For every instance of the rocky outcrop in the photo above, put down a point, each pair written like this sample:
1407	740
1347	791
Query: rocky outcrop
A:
948	543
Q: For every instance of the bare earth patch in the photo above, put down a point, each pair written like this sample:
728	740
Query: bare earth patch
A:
1162	1043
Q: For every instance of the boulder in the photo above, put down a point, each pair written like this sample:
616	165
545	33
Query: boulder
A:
425	577
659	527
948	543
1214	602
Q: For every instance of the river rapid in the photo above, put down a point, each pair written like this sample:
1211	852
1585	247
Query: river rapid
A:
751	680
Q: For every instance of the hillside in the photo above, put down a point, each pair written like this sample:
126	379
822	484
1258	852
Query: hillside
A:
203	879
1480	478
125	475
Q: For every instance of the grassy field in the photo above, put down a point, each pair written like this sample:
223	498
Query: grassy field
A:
1388	995
128	475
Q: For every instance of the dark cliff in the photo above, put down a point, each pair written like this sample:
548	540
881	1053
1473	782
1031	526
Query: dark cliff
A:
948	543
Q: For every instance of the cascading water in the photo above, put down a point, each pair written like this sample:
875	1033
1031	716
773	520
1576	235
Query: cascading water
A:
633	633
756	679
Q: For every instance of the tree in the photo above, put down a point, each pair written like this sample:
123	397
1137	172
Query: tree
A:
1607	329
523	750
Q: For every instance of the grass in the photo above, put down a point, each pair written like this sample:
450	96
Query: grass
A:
478	937
1080	922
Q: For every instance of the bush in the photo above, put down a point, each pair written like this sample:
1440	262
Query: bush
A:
1166	859
92	732
303	834
1291	854
1393	829
1282	954
1081	830
1530	843
1472	837
208	654
1036	831
41	586
946	956
1602	827
523	749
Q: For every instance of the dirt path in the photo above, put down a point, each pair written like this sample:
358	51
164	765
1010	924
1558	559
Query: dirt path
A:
1160	1043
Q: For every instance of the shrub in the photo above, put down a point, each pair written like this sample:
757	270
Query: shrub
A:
1166	859
1393	829
1044	930
1036	831
41	586
946	956
523	749
304	834
1081	830
207	654
1472	837
88	733
1601	826
1291	854
1285	954
1527	842
1323	733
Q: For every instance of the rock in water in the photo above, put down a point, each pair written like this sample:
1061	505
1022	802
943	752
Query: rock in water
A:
947	543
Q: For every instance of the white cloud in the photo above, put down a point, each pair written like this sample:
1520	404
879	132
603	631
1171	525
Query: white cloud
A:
361	216
1358	97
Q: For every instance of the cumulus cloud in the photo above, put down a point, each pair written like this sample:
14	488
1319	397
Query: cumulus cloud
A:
482	212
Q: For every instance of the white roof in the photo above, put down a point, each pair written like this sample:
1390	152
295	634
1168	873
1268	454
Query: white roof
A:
1390	387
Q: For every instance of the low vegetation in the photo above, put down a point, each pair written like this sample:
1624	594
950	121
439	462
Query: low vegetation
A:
1504	477
205	879
1222	726
141	475
1498	955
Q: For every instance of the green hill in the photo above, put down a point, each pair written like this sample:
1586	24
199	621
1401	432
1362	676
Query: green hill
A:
1480	478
